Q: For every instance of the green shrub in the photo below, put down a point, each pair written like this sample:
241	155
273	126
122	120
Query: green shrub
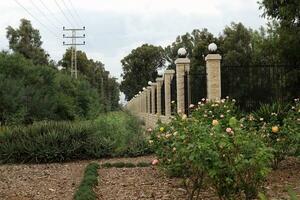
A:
115	134
212	145
90	179
279	126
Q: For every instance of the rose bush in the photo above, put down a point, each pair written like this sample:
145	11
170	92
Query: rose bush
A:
211	146
279	126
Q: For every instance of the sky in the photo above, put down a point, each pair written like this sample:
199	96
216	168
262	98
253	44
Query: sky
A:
115	27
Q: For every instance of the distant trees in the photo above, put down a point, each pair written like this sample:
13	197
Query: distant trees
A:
94	71
31	93
27	41
32	89
139	67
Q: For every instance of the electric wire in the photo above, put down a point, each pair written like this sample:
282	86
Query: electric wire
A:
70	13
51	13
46	27
75	11
41	12
67	18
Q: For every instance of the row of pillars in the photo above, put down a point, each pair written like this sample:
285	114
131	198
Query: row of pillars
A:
145	101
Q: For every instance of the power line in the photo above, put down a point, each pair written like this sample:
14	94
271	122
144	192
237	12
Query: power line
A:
51	13
70	13
37	19
75	11
70	22
40	11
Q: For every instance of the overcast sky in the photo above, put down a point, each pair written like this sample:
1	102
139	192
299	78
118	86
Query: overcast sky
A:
115	27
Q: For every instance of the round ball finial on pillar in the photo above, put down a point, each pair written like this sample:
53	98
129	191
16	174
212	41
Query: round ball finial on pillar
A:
149	82
212	47
182	53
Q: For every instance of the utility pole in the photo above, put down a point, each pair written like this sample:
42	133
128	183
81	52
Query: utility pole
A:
73	45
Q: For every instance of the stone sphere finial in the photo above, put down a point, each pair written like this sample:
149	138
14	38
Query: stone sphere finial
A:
160	72
140	92
182	52
212	47
149	82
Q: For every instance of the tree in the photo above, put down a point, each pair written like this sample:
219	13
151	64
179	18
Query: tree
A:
100	79
196	44
236	45
287	14
27	41
139	67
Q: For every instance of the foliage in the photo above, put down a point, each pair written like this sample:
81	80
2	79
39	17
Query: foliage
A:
286	13
33	93
27	41
212	145
115	134
100	79
85	190
139	67
278	124
196	44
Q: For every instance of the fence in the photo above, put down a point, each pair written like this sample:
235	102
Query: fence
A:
249	85
254	85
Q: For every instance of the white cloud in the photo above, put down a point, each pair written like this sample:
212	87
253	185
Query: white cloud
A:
115	27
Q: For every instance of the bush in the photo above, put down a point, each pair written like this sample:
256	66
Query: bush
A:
115	134
278	125
212	145
90	179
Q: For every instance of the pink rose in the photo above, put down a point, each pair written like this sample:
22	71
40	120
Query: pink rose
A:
228	130
155	162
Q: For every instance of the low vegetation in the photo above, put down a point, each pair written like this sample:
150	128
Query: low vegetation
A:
113	134
85	190
222	147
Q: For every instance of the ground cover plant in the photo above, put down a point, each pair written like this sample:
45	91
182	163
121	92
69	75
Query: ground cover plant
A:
113	134
125	165
90	180
213	147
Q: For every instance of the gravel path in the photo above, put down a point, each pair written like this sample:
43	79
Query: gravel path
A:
59	181
43	181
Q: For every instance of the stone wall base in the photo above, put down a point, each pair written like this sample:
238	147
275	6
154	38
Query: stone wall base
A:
151	119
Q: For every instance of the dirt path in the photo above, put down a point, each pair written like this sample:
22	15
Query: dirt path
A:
59	182
37	182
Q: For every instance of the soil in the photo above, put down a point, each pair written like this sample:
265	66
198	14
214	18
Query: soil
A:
59	181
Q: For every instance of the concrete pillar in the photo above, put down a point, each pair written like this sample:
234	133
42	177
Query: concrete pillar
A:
213	69
159	82
145	100
148	99
182	64
168	76
153	103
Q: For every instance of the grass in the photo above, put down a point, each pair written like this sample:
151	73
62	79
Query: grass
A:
90	180
125	165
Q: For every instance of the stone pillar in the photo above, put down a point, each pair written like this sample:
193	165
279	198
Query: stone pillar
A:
148	99
153	103
145	100
213	69
168	76
181	65
159	82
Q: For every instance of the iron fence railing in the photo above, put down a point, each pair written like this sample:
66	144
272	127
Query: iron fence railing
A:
255	85
163	99
173	95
